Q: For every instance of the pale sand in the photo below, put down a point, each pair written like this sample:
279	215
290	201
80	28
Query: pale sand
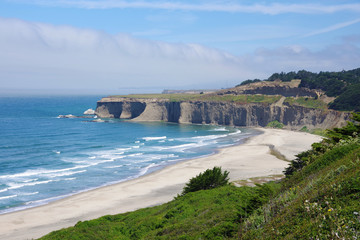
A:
251	159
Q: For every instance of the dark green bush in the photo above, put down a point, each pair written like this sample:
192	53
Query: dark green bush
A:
275	124
211	178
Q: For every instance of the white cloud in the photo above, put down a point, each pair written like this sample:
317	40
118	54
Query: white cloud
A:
36	55
43	56
275	8
333	27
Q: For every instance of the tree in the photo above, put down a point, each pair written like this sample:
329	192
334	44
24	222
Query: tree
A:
211	178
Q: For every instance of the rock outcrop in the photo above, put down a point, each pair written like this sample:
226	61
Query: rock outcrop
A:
221	113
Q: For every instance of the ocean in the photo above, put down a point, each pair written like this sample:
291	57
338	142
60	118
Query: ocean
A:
45	158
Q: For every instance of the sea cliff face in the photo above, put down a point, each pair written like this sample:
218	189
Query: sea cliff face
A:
220	113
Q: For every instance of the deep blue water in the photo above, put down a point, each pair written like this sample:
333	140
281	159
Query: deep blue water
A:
44	158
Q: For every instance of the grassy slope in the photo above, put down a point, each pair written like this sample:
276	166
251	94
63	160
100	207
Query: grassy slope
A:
268	99
320	202
307	102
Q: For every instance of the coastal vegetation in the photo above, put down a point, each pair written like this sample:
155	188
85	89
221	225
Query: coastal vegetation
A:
179	97
318	199
344	85
275	124
307	102
211	178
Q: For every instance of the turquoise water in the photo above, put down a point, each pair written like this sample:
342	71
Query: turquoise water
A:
45	158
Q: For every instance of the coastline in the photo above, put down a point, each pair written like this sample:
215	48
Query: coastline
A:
247	160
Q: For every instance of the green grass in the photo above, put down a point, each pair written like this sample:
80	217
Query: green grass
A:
307	102
205	214
242	99
316	131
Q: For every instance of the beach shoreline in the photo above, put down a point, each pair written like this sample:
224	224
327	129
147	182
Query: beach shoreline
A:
252	158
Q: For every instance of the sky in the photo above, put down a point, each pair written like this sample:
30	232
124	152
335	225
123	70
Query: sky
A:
120	47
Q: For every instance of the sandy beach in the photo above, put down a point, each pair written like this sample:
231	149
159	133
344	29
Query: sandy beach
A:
251	159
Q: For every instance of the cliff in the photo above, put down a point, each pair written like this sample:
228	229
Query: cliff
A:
221	113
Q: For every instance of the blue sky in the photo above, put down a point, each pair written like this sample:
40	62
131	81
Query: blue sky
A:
110	46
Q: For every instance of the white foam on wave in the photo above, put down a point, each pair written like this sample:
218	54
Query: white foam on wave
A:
153	138
7	197
209	137
123	149
65	174
116	166
119	153
180	148
135	155
30	180
4	190
220	129
238	131
29	194
17	185
69	179
38	172
144	170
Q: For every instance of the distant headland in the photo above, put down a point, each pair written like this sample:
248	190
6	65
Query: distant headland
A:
301	100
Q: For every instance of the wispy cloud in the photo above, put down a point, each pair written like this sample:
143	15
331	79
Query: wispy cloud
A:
273	9
333	28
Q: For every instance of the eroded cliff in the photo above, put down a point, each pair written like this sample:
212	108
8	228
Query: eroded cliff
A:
221	113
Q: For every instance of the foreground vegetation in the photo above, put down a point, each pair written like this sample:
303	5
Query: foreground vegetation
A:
318	199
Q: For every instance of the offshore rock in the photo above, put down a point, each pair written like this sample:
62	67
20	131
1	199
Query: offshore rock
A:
89	112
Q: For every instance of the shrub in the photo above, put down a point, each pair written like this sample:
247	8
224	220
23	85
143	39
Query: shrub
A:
211	178
275	124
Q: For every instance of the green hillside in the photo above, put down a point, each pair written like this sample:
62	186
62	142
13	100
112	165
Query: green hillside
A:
318	199
344	85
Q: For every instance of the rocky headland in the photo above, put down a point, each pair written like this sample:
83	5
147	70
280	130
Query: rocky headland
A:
275	101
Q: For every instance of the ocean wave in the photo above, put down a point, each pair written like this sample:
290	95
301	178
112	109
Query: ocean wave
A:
40	172
236	132
144	170
116	166
64	174
29	194
135	155
153	138
209	137
220	129
122	149
4	190
30	180
69	179
180	148
7	197
17	185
